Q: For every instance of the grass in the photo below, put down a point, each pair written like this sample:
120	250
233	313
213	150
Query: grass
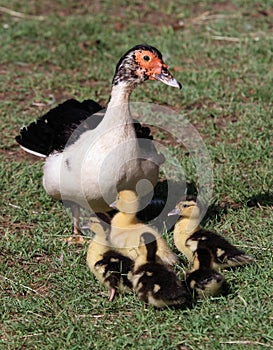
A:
221	51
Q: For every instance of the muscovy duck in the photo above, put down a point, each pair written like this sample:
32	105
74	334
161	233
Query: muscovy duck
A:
87	165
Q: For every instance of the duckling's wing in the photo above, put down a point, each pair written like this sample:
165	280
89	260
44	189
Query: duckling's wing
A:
160	286
116	267
207	282
224	253
203	277
164	252
239	259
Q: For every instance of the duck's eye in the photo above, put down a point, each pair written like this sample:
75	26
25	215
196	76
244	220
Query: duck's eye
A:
184	205
146	58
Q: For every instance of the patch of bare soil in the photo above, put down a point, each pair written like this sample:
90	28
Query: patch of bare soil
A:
15	153
6	223
160	14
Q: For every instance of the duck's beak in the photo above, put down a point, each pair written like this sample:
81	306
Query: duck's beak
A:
175	211
113	205
166	78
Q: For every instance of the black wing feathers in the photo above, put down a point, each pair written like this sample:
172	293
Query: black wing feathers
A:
64	124
218	245
117	267
171	289
52	131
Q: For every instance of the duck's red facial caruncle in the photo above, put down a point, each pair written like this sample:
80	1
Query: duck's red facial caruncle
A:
154	68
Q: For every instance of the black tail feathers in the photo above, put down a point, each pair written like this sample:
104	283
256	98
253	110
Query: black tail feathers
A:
52	131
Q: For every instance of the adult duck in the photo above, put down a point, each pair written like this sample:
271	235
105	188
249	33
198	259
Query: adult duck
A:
89	166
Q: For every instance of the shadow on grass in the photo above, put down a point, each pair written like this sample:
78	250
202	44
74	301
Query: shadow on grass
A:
261	199
218	210
167	194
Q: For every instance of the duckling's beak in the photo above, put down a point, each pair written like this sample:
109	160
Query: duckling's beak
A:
85	226
113	205
166	78
175	211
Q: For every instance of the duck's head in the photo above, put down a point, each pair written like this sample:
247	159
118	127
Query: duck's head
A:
148	246
98	226
140	63
202	258
126	202
187	209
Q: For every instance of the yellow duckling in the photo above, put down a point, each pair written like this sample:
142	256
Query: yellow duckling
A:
109	266
203	280
155	283
126	230
189	236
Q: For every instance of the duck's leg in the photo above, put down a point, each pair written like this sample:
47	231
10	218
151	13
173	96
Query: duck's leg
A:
76	212
77	236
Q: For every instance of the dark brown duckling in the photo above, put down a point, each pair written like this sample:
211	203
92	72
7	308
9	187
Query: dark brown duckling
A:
156	283
203	280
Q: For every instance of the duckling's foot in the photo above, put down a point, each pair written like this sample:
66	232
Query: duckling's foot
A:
75	239
112	293
76	236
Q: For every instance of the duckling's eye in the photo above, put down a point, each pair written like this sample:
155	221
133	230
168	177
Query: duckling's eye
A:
147	58
184	205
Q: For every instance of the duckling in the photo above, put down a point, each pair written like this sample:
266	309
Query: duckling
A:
155	283
189	236
203	280
109	266
126	229
85	164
